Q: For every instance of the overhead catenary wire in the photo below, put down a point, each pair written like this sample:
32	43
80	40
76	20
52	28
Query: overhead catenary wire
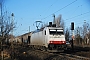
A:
82	21
78	15
71	17
74	9
77	23
65	6
49	7
82	14
59	9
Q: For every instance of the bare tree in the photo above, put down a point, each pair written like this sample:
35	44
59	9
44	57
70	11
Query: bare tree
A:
85	32
89	34
78	35
59	21
6	24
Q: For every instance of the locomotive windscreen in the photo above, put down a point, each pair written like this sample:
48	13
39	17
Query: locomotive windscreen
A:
56	31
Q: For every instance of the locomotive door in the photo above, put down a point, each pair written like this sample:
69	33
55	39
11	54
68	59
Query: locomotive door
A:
22	39
45	39
29	37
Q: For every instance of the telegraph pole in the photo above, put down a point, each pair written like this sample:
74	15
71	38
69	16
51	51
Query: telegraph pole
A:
12	25
12	21
54	19
12	37
29	28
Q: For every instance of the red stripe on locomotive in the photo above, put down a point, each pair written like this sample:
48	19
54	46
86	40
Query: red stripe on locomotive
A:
57	42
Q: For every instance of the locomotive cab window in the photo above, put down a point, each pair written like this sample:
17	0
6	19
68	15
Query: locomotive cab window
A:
56	31
60	32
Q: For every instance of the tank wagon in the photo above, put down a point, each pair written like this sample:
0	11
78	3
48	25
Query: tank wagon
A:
52	38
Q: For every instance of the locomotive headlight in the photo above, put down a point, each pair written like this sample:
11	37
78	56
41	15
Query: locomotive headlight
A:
51	42
63	41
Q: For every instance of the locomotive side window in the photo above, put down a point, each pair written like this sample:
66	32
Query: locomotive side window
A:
45	32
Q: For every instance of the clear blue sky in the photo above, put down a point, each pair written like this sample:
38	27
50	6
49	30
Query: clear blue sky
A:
28	11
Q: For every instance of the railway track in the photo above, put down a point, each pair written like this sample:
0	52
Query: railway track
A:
72	57
44	55
58	56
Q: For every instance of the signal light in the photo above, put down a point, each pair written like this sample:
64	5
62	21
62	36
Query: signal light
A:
72	26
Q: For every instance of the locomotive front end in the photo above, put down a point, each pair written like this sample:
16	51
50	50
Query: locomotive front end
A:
56	39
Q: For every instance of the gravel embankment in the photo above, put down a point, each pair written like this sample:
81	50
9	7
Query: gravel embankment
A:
26	53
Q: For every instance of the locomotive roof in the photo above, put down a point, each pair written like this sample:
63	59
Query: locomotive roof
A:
38	30
55	28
